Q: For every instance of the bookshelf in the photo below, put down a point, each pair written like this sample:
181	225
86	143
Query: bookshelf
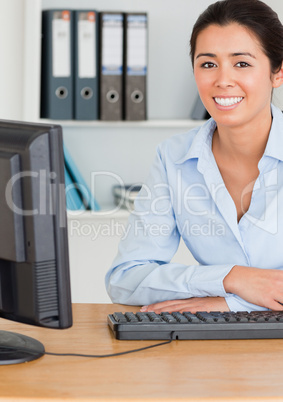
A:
125	149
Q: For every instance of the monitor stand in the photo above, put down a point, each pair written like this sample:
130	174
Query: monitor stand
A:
17	348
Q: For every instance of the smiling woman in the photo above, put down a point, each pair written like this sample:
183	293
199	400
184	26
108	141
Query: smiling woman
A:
228	174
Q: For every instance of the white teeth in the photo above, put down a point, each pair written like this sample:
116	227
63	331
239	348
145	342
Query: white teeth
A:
227	101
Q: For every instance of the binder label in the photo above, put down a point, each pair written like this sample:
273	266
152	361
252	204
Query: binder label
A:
112	47
61	40
87	45
136	44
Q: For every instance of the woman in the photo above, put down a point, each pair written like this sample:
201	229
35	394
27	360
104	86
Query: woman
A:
220	186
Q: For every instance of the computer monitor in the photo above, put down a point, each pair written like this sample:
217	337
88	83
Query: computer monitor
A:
34	264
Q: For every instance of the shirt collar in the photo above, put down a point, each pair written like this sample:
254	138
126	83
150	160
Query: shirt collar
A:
203	138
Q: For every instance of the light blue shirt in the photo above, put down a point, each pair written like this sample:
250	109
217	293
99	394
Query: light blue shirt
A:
185	196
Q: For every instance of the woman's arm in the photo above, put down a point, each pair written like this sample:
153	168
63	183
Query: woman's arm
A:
147	282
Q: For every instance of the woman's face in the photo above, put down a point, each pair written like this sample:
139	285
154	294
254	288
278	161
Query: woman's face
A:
233	75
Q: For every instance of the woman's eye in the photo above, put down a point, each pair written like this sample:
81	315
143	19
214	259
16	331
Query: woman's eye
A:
242	64
208	65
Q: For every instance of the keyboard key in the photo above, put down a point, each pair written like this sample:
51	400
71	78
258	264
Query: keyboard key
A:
154	317
192	318
143	317
131	317
180	317
119	317
168	317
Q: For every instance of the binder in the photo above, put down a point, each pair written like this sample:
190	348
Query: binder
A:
84	192
135	66
73	199
199	111
111	65
57	70
85	65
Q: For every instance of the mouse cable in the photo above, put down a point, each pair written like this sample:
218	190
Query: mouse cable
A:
112	354
22	349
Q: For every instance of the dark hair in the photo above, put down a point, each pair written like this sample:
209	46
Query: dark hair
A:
255	15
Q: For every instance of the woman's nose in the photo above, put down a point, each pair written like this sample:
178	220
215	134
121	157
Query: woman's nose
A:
224	78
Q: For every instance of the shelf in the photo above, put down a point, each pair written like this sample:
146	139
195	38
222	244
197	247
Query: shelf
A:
111	213
126	124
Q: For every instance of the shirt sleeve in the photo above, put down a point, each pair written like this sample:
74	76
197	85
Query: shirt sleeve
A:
142	272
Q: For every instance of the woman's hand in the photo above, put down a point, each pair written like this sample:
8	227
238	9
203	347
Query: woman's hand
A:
263	287
192	305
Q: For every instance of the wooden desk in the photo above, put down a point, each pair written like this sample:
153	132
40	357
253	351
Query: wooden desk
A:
183	370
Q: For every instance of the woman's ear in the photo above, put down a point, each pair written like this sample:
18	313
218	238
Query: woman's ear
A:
277	79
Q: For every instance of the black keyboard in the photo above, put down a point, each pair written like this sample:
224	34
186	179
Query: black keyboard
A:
202	325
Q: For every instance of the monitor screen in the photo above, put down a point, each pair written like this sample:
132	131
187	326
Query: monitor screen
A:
34	264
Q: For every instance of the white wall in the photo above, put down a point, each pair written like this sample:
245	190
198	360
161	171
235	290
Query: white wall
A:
11	50
19	66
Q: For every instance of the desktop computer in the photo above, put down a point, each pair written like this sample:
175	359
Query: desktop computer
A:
34	264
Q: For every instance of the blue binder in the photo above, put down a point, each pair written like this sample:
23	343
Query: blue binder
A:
85	65
73	199
57	69
84	192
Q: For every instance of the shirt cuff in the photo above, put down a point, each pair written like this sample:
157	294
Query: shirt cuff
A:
207	281
236	303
